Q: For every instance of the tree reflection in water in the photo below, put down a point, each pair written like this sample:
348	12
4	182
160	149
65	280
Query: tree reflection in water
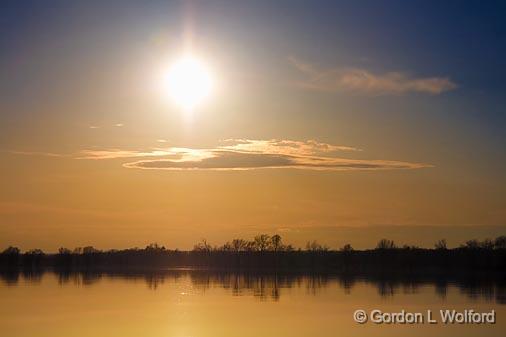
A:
270	286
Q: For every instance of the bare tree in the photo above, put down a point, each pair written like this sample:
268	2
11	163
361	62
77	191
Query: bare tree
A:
441	244
11	251
276	242
35	251
472	244
386	244
262	242
202	246
250	246
500	242
314	246
347	248
64	251
487	244
238	245
89	250
227	247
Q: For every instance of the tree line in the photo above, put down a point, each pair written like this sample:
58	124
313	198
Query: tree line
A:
270	252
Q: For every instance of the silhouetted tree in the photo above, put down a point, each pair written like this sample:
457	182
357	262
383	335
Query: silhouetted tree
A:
32	258
314	246
89	250
203	246
386	244
500	242
487	244
239	245
11	251
486	255
347	248
227	247
11	255
262	242
64	251
472	244
154	247
250	246
441	244
35	251
276	242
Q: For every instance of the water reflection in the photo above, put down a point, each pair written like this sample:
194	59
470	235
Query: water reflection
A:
270	286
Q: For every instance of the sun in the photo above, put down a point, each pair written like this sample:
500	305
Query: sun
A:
189	82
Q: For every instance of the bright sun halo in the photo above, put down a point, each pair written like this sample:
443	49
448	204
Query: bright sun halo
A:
189	82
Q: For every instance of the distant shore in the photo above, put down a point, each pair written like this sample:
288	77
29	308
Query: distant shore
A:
267	253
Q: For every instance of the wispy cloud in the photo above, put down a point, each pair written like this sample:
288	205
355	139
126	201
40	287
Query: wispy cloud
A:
36	153
230	160
283	146
242	154
173	154
362	80
117	125
247	154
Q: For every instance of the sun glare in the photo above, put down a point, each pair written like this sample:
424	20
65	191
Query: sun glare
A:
189	82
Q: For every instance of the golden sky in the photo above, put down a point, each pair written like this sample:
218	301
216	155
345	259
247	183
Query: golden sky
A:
306	132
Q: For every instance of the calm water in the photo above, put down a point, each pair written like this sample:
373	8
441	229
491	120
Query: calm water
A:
190	303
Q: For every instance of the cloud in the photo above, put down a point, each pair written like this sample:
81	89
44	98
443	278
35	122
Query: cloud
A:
35	153
361	80
173	153
231	160
242	154
117	125
283	146
246	154
118	153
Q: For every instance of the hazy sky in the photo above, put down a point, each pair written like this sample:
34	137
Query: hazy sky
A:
341	121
